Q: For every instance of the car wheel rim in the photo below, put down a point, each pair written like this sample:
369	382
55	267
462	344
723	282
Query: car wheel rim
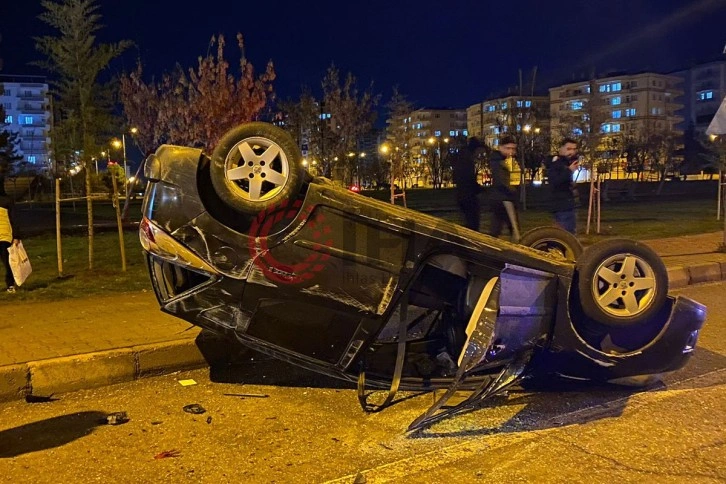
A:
257	169
624	285
555	247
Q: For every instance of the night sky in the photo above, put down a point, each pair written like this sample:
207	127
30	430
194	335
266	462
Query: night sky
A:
439	53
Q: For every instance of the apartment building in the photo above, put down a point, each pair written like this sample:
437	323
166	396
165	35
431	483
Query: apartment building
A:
491	118
704	88
26	103
426	123
627	105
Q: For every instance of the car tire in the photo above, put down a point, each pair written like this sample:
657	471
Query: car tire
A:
553	240
621	282
255	167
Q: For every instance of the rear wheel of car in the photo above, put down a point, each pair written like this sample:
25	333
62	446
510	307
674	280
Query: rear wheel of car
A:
553	240
255	167
621	282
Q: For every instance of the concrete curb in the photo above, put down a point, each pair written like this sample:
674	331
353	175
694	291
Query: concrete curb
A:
679	277
97	369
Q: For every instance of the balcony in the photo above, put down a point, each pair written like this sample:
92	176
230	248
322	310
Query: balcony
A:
30	109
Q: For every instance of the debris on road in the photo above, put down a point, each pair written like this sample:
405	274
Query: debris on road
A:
117	418
209	419
167	453
194	408
186	383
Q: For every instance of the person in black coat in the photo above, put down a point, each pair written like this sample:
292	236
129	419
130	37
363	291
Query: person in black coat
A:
467	188
502	193
559	181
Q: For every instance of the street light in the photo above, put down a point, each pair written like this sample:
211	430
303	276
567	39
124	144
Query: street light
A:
122	144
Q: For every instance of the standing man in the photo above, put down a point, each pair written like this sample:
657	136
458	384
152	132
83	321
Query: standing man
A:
6	236
467	188
503	198
561	189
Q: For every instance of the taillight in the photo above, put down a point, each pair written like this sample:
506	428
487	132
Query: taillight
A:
146	235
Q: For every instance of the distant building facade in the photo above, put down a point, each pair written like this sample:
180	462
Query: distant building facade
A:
704	88
490	119
627	104
441	123
26	102
427	129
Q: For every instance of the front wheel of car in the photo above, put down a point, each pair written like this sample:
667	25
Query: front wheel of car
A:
621	282
255	167
553	240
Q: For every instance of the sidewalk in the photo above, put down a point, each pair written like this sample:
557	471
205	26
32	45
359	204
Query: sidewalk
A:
60	346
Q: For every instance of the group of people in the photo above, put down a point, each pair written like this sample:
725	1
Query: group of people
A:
503	197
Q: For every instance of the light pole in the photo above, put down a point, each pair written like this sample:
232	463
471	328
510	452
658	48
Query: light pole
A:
357	168
122	145
385	150
357	157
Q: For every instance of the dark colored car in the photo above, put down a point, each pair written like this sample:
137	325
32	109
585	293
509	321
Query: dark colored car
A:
245	243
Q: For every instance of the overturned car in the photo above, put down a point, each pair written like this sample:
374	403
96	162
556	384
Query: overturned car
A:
245	243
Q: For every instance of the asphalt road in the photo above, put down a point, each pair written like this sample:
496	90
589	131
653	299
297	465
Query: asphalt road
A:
299	427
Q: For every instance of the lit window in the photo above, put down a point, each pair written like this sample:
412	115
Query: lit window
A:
495	129
465	132
605	88
519	104
437	133
605	128
527	104
8	119
615	128
577	132
576	105
491	108
617	114
615	101
616	86
496	142
452	133
423	151
630	112
27	120
31	159
504	105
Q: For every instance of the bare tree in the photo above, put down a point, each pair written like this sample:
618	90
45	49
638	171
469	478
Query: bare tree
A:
351	115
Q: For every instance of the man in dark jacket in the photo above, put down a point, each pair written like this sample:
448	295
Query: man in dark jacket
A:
502	198
559	178
467	188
